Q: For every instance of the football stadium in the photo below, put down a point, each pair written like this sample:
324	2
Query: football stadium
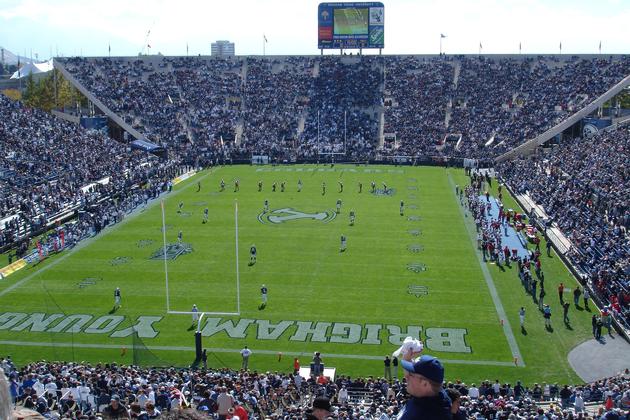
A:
348	234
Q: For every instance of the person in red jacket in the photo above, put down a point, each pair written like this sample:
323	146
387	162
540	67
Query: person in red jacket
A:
240	411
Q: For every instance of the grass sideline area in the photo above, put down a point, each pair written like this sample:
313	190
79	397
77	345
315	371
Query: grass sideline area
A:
418	272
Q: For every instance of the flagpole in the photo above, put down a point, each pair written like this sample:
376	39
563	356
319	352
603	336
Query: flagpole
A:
441	44
264	42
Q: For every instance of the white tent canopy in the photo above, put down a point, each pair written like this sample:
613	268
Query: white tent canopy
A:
33	68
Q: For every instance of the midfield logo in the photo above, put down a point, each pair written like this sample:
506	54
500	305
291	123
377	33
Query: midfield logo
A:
288	214
172	251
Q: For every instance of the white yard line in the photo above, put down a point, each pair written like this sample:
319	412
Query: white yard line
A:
507	330
236	351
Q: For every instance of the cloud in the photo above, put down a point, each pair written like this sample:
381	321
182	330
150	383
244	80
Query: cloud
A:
411	27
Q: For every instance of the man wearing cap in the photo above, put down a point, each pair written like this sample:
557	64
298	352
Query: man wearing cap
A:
428	400
115	410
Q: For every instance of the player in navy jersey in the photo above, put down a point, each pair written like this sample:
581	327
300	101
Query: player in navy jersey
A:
117	298
252	255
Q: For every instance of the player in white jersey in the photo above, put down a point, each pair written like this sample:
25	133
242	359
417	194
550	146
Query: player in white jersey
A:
195	314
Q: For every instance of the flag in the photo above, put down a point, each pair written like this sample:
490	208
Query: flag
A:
149	45
480	46
19	67
600	46
560	45
265	38
519	46
442	36
109	46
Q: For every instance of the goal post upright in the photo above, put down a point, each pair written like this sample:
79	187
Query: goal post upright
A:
238	277
168	303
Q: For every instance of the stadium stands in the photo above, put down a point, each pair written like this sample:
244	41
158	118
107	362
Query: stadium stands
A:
291	108
583	186
50	168
294	106
74	389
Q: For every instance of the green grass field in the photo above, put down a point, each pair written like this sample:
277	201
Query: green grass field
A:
352	306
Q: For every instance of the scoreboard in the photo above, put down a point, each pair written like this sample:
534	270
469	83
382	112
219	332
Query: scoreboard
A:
351	25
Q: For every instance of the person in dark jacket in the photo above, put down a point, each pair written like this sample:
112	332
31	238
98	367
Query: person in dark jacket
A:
428	400
456	410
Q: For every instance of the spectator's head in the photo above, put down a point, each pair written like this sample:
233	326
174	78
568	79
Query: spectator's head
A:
455	398
424	376
321	408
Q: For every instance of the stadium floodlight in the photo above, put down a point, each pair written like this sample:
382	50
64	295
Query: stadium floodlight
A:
238	287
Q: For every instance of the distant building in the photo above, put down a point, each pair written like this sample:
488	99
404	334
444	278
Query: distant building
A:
222	48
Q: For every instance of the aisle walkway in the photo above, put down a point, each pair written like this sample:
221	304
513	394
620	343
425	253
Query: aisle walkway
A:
509	236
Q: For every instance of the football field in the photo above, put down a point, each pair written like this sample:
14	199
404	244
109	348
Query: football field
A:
416	274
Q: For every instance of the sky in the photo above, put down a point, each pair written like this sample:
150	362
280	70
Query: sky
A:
45	28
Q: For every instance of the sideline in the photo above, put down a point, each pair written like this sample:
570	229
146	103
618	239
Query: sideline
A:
85	242
507	330
237	351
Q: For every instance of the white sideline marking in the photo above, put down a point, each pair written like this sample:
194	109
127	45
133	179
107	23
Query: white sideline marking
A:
237	351
507	330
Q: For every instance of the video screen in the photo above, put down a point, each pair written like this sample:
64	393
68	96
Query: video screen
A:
351	21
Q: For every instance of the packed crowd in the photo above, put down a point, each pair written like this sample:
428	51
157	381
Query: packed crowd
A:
295	106
416	98
72	390
49	166
584	186
342	114
500	103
